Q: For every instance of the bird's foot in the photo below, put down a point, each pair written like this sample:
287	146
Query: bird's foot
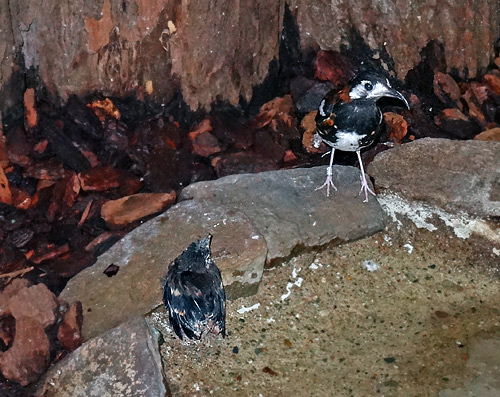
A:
365	188
328	182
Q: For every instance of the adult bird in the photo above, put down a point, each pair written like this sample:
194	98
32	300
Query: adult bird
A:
194	293
349	119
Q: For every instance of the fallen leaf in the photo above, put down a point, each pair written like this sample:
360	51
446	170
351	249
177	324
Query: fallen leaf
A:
5	193
104	108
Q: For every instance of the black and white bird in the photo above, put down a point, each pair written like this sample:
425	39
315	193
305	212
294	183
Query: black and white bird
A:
349	119
194	294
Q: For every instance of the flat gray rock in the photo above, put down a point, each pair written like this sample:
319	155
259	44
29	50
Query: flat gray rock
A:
455	175
285	208
254	219
124	361
145	254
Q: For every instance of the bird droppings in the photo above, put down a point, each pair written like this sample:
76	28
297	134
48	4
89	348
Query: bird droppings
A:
409	247
298	283
244	309
370	266
423	215
315	265
350	320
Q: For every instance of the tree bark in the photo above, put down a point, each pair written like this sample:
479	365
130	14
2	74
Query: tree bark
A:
218	49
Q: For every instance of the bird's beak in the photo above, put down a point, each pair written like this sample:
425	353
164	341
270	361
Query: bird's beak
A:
392	93
206	241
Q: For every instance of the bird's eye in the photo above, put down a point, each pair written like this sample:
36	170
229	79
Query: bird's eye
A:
368	87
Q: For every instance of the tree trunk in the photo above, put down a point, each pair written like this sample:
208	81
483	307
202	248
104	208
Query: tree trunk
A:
217	49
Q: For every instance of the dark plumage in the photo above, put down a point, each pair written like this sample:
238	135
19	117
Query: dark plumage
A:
349	119
194	294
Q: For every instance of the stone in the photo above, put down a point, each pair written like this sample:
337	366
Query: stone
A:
9	291
284	207
70	329
34	309
36	302
124	361
129	209
455	175
28	357
145	254
254	219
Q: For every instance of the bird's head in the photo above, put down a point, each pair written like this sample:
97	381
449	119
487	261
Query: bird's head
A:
203	246
197	255
371	84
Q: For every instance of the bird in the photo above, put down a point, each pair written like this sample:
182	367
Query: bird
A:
349	119
194	293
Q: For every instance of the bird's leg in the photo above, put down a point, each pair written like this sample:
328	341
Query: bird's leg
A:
329	173
364	183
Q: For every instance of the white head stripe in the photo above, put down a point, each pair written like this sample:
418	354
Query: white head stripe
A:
321	108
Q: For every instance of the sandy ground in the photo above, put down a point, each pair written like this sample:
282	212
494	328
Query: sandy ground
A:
407	312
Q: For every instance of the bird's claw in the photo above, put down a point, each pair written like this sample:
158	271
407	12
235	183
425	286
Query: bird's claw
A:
328	182
365	188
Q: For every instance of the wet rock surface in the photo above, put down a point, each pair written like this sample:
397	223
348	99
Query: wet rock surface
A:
122	362
255	219
456	175
287	210
483	357
144	255
401	313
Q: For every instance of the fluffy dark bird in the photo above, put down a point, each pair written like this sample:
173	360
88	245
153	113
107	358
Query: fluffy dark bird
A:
194	294
349	119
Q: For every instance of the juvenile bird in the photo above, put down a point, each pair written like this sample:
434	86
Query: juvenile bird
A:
194	293
349	119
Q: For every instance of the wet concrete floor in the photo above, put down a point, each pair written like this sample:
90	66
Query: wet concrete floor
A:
407	312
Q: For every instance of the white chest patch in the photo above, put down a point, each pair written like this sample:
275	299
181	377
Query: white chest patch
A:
347	141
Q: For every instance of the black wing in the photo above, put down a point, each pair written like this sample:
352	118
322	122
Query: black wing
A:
361	116
195	301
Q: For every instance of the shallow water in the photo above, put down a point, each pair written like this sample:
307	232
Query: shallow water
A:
414	321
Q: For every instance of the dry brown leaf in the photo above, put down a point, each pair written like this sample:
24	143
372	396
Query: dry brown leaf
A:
309	125
397	126
277	109
5	193
104	108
